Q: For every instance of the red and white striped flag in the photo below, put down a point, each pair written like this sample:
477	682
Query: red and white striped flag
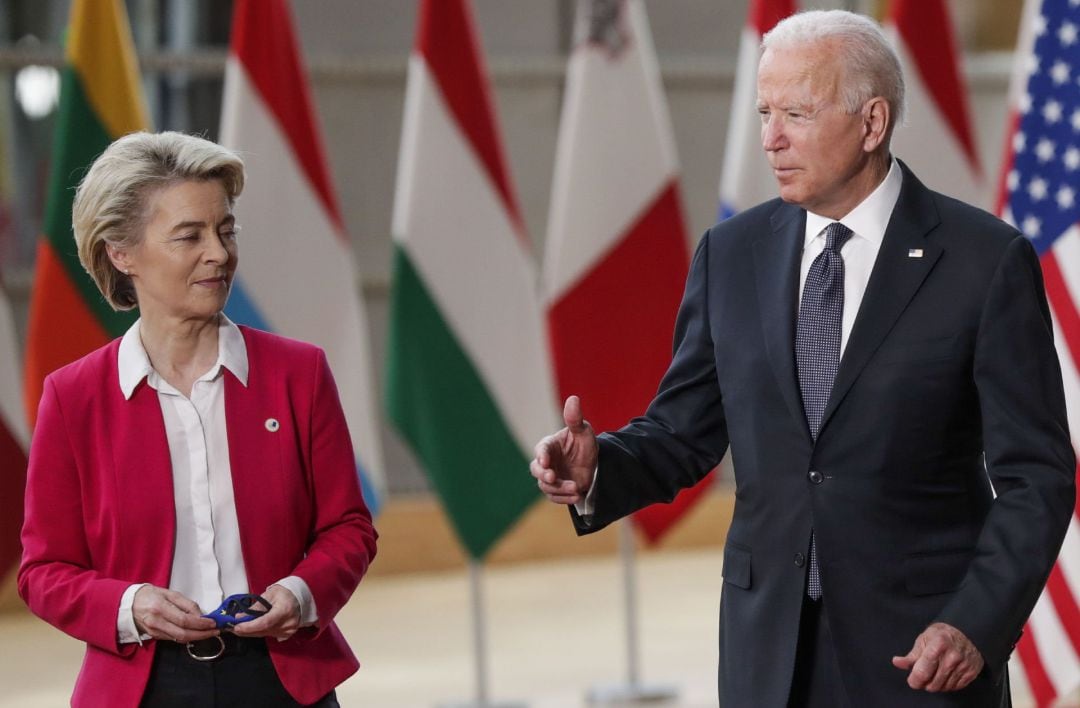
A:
937	139
1039	185
14	442
616	256
746	179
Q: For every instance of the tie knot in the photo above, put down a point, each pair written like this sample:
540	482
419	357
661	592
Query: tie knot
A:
836	235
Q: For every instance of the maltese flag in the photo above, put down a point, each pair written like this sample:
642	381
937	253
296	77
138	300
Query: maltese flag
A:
616	257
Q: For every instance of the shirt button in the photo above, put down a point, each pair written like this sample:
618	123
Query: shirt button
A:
815	477
800	560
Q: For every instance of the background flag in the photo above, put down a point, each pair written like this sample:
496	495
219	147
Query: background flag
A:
616	254
469	382
1039	193
100	101
746	179
14	442
14	436
297	276
937	140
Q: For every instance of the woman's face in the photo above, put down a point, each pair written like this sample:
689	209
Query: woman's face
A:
183	267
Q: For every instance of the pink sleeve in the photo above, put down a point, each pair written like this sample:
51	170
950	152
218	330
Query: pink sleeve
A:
56	578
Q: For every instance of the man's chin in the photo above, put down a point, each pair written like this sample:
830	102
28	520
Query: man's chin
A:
792	196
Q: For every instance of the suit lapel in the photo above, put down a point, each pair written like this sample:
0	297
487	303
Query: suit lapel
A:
776	265
895	279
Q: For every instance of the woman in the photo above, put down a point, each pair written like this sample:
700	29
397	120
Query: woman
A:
188	461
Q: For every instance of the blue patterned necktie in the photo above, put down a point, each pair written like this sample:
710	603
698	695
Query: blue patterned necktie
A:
817	346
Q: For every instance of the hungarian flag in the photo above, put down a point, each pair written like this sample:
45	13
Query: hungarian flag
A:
297	276
468	378
937	140
616	255
14	442
100	101
1039	194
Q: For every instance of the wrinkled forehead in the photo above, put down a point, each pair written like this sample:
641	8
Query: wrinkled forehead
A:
811	72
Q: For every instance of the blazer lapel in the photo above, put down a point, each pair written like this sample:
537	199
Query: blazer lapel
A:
254	456
144	476
895	279
776	265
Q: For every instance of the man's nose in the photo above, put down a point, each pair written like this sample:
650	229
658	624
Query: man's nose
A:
772	133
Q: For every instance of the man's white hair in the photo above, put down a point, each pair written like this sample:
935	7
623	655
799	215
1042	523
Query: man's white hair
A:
871	65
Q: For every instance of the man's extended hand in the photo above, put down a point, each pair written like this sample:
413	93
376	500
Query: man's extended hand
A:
943	659
566	461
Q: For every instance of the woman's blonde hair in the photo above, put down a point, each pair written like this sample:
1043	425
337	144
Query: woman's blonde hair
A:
111	202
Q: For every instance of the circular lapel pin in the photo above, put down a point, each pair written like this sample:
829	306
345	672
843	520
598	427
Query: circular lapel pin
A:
272	424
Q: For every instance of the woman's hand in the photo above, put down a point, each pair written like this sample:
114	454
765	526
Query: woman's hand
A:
281	622
167	614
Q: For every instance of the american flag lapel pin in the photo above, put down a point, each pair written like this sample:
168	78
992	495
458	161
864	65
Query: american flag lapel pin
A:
914	253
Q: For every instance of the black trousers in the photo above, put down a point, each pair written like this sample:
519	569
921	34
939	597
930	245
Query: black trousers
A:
816	682
243	677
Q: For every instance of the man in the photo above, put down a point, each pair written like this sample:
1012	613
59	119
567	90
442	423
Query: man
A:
877	355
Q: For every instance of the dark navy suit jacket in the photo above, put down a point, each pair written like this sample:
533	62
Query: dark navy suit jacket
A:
949	374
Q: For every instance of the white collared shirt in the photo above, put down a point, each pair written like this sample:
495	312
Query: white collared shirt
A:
867	222
208	564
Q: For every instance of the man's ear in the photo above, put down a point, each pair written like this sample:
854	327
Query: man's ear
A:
877	120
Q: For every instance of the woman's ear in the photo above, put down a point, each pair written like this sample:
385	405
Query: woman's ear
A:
120	258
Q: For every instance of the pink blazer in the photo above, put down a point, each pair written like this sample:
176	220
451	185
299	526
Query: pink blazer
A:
100	512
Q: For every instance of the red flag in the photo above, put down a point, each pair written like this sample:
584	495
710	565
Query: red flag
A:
13	444
617	252
1039	184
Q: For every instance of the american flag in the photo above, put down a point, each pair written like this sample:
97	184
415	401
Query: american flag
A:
1040	194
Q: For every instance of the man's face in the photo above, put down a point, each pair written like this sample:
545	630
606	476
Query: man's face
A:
816	148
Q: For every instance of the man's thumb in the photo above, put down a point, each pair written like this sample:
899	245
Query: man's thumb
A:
572	416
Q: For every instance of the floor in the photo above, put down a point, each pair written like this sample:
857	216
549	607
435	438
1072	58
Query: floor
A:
555	631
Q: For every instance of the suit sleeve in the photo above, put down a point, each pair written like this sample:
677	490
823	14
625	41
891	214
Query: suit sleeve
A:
682	435
56	577
343	537
1029	458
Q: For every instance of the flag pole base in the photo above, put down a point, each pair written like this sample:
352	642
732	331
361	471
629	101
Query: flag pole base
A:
484	704
630	694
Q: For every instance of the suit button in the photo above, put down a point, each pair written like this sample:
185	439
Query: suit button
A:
800	560
815	477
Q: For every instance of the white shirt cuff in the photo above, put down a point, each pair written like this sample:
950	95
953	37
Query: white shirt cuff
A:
309	614
126	631
587	508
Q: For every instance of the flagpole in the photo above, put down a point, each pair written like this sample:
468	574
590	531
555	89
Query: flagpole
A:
627	548
633	691
476	596
479	644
